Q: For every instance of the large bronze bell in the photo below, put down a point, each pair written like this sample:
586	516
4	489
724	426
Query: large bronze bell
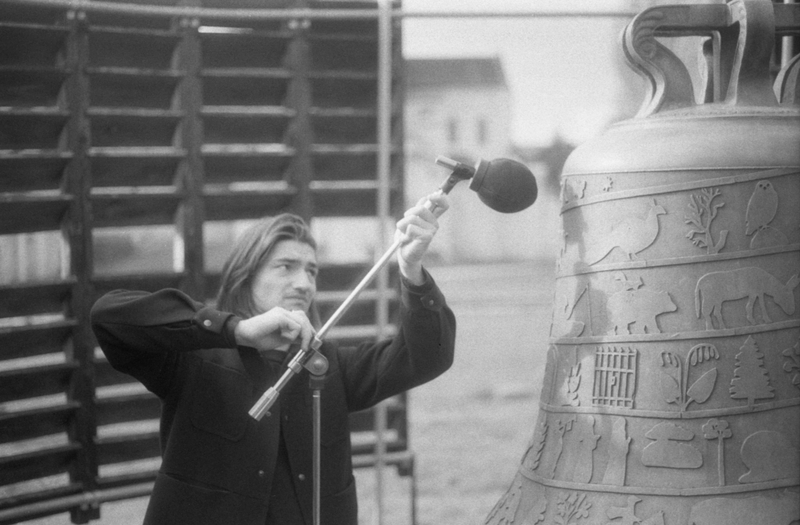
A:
671	394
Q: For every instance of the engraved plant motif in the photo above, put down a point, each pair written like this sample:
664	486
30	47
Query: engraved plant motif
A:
573	383
792	363
718	429
703	213
571	506
534	453
675	382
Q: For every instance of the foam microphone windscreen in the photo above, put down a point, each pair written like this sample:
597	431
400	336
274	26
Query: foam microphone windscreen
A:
504	185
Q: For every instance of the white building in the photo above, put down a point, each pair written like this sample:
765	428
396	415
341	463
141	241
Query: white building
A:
461	108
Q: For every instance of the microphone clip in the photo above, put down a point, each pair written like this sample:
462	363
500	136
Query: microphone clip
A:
459	173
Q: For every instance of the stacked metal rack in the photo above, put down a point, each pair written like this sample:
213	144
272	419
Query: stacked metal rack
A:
163	118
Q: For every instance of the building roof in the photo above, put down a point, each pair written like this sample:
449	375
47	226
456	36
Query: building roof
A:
455	72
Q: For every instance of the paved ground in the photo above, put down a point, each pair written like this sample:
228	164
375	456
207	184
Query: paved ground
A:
469	428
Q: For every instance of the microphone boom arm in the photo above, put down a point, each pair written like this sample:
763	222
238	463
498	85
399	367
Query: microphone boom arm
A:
310	357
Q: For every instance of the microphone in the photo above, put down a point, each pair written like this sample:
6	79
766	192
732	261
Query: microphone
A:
504	185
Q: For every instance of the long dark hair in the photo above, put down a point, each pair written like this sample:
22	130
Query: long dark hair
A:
251	251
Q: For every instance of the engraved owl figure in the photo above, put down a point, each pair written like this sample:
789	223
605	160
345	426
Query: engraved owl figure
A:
762	207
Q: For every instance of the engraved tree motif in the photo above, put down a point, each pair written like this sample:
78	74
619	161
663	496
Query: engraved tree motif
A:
750	378
718	429
675	381
792	363
703	213
571	506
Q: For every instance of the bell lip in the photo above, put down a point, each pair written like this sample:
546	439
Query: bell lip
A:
706	137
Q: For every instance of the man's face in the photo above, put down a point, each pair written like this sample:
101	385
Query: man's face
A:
287	279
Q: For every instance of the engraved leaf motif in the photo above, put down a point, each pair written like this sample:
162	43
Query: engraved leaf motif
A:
701	353
670	388
701	389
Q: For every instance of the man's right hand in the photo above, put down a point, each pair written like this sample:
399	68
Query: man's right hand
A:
275	329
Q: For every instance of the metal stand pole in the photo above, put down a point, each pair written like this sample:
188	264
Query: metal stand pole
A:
316	382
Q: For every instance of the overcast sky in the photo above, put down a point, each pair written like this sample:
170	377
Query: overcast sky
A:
562	71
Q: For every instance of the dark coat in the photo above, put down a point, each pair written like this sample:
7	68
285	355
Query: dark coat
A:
218	462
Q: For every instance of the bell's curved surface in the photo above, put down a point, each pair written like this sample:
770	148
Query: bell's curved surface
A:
671	393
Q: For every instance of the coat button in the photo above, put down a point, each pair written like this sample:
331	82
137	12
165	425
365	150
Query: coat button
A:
207	323
261	473
301	477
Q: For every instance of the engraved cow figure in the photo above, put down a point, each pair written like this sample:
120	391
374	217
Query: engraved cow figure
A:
715	288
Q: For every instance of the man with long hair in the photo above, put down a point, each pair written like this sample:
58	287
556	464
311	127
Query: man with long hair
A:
210	364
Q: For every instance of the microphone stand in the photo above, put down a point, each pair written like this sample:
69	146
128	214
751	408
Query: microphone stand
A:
312	359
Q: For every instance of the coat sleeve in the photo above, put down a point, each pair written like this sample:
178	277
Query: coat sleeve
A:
142	334
422	350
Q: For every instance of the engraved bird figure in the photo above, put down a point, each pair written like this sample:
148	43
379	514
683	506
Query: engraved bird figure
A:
632	235
762	207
